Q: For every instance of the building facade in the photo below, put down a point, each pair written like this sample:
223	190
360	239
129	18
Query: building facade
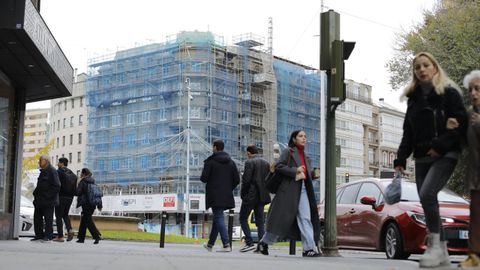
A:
141	100
32	68
35	135
68	127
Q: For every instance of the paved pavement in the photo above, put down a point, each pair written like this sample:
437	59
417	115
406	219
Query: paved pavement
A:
117	255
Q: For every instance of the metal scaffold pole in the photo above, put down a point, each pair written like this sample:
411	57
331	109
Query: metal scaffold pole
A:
187	188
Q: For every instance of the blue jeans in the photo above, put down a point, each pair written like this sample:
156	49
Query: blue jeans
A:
218	226
304	222
245	211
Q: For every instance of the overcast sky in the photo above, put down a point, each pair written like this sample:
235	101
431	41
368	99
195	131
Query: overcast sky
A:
89	28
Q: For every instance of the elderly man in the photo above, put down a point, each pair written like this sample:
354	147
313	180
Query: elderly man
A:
45	199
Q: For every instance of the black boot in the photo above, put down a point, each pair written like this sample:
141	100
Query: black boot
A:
262	248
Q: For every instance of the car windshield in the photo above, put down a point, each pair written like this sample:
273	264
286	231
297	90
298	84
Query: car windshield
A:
410	194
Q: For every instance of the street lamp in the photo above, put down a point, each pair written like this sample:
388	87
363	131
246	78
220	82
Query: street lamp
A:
187	197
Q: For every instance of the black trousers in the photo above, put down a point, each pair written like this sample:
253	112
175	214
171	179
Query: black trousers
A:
41	215
61	214
245	210
86	222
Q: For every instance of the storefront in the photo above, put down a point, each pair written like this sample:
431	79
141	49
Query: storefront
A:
32	68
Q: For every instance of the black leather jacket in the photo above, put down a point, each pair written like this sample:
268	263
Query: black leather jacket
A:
253	189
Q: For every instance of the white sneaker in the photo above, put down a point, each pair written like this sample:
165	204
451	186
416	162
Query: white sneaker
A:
207	247
227	248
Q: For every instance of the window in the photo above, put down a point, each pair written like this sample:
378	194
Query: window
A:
58	125
115	164
101	165
178	159
71	121
148	189
71	139
130	140
80	120
224	116
145	139
115	142
195	160
132	190
130	119
65	105
70	157
116	120
64	122
145	117
58	142
79	138
54	126
63	141
162	115
349	194
368	189
73	103
81	101
144	162
195	112
79	157
179	113
129	163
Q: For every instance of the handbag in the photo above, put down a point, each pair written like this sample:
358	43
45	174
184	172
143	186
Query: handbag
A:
393	192
274	179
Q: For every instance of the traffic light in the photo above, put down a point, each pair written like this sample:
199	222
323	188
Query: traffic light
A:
347	177
341	51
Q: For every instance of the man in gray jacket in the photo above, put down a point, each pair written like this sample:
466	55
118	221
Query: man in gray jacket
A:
254	195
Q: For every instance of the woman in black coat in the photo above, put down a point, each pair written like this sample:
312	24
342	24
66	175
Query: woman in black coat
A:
86	221
432	99
293	211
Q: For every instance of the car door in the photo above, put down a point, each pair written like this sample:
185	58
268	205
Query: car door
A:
366	221
345	206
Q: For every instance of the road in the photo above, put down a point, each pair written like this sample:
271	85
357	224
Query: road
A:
119	255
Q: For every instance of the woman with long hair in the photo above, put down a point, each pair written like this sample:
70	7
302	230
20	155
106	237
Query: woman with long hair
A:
293	211
432	99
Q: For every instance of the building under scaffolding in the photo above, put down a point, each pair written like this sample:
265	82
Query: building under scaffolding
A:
137	109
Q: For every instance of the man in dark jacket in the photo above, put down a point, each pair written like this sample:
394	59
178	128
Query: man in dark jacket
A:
68	184
45	199
221	176
254	195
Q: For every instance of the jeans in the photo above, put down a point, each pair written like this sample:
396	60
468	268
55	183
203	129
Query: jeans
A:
245	211
304	221
61	214
304	224
86	222
430	179
218	226
39	214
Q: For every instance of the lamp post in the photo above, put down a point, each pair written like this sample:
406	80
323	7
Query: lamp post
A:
187	197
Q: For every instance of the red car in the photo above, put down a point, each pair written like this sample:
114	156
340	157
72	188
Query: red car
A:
366	222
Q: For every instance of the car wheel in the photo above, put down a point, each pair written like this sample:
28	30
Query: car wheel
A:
394	243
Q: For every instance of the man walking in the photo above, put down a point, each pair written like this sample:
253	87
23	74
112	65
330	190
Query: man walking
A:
68	185
254	195
45	199
221	176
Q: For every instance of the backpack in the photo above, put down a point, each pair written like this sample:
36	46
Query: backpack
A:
70	185
94	195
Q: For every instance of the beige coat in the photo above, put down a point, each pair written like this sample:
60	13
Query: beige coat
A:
473	140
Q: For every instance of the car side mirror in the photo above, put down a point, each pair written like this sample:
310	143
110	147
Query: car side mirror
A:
369	200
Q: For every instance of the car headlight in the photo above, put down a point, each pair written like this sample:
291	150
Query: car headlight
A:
419	218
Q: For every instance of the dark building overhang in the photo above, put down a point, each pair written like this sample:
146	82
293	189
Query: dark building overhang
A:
29	54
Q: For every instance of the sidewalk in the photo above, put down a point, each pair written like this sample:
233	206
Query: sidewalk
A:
116	255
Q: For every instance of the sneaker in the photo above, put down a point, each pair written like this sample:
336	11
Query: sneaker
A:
311	253
262	248
226	248
96	241
473	261
247	247
69	236
58	239
207	247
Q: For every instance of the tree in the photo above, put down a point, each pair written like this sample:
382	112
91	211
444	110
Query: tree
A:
451	32
31	163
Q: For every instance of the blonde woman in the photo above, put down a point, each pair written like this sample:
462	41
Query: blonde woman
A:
432	99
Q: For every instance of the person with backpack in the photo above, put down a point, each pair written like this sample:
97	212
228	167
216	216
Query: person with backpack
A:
89	197
254	195
68	186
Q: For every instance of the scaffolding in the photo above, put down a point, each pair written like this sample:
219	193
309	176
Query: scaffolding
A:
137	109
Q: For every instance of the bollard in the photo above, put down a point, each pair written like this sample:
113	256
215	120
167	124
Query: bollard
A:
230	225
162	230
293	247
